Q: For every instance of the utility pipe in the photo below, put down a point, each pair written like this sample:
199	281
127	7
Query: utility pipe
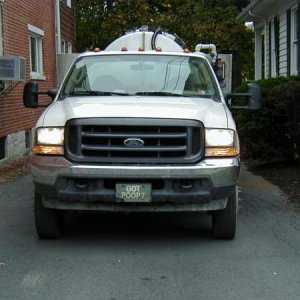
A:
57	26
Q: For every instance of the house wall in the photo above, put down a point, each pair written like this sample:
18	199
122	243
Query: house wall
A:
262	20
283	57
15	119
67	16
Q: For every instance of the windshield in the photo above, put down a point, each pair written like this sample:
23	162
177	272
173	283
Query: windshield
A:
134	74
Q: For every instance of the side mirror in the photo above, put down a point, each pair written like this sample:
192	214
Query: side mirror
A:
31	95
255	99
253	96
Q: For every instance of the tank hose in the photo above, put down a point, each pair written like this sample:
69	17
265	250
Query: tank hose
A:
154	36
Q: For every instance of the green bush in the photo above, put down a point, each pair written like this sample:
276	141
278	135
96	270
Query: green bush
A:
273	132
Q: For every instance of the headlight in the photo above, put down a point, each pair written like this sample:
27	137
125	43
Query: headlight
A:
49	140
220	143
219	137
50	136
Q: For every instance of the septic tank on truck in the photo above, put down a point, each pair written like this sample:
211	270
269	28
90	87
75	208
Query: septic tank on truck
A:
142	126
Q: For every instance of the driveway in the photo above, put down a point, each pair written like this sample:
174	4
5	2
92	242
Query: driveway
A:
152	256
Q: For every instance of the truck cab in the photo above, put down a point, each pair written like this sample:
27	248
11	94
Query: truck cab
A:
141	126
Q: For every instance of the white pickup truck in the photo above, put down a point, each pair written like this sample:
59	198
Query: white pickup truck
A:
142	126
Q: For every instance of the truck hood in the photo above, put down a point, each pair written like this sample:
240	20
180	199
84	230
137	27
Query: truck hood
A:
211	113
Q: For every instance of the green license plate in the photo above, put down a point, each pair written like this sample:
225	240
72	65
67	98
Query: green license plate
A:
133	192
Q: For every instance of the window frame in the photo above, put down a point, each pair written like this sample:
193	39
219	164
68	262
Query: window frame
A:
37	35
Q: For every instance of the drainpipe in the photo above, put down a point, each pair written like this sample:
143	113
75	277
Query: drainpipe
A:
57	27
57	38
1	27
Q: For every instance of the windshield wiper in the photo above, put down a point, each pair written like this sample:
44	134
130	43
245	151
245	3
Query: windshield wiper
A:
94	93
159	94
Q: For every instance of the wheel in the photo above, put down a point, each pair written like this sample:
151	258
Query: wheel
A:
48	222
224	221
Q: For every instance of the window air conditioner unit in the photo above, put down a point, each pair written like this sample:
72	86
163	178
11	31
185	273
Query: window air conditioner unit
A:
12	68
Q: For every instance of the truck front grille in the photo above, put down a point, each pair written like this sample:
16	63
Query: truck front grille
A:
132	140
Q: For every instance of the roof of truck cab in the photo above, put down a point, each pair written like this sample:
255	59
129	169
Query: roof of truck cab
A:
148	52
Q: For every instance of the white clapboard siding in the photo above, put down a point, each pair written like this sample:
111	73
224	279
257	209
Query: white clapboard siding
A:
263	12
283	44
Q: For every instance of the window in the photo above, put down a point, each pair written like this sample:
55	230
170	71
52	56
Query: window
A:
63	47
36	52
294	41
67	2
69	47
142	74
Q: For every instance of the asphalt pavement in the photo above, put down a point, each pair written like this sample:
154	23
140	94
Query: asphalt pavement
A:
152	256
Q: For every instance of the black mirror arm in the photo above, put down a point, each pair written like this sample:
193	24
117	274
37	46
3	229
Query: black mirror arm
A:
254	98
51	93
240	95
231	95
236	107
42	93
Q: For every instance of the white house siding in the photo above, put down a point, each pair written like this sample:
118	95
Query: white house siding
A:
262	12
283	45
259	40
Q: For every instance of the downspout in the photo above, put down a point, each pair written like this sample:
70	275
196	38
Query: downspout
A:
1	27
57	26
58	37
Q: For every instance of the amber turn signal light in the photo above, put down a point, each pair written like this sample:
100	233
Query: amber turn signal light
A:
48	150
222	152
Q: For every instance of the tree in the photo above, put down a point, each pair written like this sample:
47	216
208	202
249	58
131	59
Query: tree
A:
239	4
99	22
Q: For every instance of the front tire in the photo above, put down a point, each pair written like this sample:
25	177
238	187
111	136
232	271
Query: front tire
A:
48	222
224	221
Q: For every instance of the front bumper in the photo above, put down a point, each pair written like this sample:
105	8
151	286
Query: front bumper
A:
64	185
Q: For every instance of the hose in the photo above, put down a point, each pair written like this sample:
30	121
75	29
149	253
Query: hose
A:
154	36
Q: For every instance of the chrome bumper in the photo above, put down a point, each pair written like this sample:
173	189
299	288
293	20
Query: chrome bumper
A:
221	172
55	179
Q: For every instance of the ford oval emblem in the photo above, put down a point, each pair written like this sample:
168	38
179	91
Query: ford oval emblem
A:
133	142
